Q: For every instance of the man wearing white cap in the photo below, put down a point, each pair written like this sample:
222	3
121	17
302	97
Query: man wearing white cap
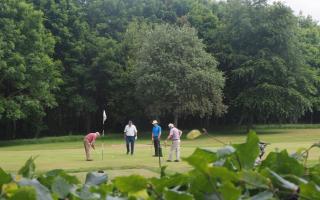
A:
174	135
156	134
88	142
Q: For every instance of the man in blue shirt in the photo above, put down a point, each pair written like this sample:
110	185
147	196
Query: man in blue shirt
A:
156	134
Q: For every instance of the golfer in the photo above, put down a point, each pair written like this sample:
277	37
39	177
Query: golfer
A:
156	134
88	142
174	135
130	135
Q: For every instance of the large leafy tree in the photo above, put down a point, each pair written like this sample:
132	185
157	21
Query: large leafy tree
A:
175	75
88	57
268	80
309	38
65	20
28	75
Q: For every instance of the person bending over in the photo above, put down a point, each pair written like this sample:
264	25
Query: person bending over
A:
88	142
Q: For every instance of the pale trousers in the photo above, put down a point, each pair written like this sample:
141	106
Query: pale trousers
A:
86	145
175	148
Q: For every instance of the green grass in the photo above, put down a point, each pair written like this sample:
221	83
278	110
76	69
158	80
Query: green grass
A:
68	153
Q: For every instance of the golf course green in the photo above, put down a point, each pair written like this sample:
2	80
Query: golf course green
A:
68	153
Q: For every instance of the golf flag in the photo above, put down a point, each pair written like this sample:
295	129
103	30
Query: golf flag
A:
104	116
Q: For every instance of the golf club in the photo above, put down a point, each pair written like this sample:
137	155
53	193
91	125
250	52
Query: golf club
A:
193	134
205	132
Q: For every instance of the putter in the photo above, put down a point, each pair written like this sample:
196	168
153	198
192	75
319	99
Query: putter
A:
205	132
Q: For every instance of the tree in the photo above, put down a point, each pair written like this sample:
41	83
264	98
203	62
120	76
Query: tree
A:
268	80
28	75
175	75
309	40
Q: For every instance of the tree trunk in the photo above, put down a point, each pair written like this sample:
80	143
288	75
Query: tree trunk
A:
176	118
207	122
60	129
88	123
14	128
38	128
249	123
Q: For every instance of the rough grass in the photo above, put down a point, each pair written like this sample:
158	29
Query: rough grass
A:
68	153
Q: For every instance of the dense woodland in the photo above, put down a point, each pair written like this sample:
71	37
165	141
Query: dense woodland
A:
195	62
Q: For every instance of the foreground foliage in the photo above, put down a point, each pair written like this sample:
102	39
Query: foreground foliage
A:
227	173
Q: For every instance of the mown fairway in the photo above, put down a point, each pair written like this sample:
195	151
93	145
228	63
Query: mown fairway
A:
70	155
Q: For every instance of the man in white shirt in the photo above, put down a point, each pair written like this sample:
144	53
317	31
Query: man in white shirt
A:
130	135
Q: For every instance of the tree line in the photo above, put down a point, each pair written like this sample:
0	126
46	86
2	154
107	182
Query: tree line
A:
196	63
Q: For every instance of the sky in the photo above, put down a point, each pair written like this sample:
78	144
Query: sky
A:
307	7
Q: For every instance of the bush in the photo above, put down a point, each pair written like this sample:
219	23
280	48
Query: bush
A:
229	173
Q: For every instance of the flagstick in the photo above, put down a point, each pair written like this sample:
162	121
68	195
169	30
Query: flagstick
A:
102	145
102	150
104	118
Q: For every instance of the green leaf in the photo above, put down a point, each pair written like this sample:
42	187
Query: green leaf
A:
176	195
229	191
200	185
222	173
25	193
282	163
48	178
28	169
4	177
61	187
278	180
9	189
142	194
230	163
248	152
42	192
225	151
295	179
310	191
163	171
316	145
102	189
86	194
94	178
254	180
201	158
128	184
115	198
169	182
314	173
266	195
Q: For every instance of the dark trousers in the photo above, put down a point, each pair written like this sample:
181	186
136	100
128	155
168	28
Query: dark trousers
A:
130	140
157	147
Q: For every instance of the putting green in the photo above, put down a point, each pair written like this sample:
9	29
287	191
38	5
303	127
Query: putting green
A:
70	155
